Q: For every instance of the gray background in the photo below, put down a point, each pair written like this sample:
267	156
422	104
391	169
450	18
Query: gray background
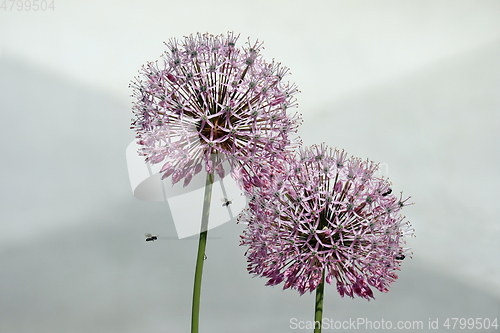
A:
414	85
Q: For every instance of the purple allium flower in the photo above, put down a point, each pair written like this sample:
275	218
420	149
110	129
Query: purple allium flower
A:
208	97
326	212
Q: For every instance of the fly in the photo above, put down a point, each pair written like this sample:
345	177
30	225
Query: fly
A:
226	202
150	238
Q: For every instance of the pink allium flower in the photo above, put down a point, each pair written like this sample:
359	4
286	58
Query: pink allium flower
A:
208	97
326	212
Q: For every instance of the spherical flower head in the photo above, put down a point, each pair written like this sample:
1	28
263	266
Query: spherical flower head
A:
209	97
326	212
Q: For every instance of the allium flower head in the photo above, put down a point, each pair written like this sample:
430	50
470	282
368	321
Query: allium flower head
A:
208	96
326	212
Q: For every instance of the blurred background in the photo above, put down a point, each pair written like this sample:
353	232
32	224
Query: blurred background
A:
414	85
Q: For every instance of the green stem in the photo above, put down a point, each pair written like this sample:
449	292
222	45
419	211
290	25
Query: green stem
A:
318	314
201	251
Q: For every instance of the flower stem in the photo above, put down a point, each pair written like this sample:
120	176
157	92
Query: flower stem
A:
318	314
201	252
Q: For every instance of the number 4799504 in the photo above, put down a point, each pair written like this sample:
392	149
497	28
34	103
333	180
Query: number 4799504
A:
470	323
27	5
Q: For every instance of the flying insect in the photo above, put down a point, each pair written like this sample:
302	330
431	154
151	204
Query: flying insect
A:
226	202
150	238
